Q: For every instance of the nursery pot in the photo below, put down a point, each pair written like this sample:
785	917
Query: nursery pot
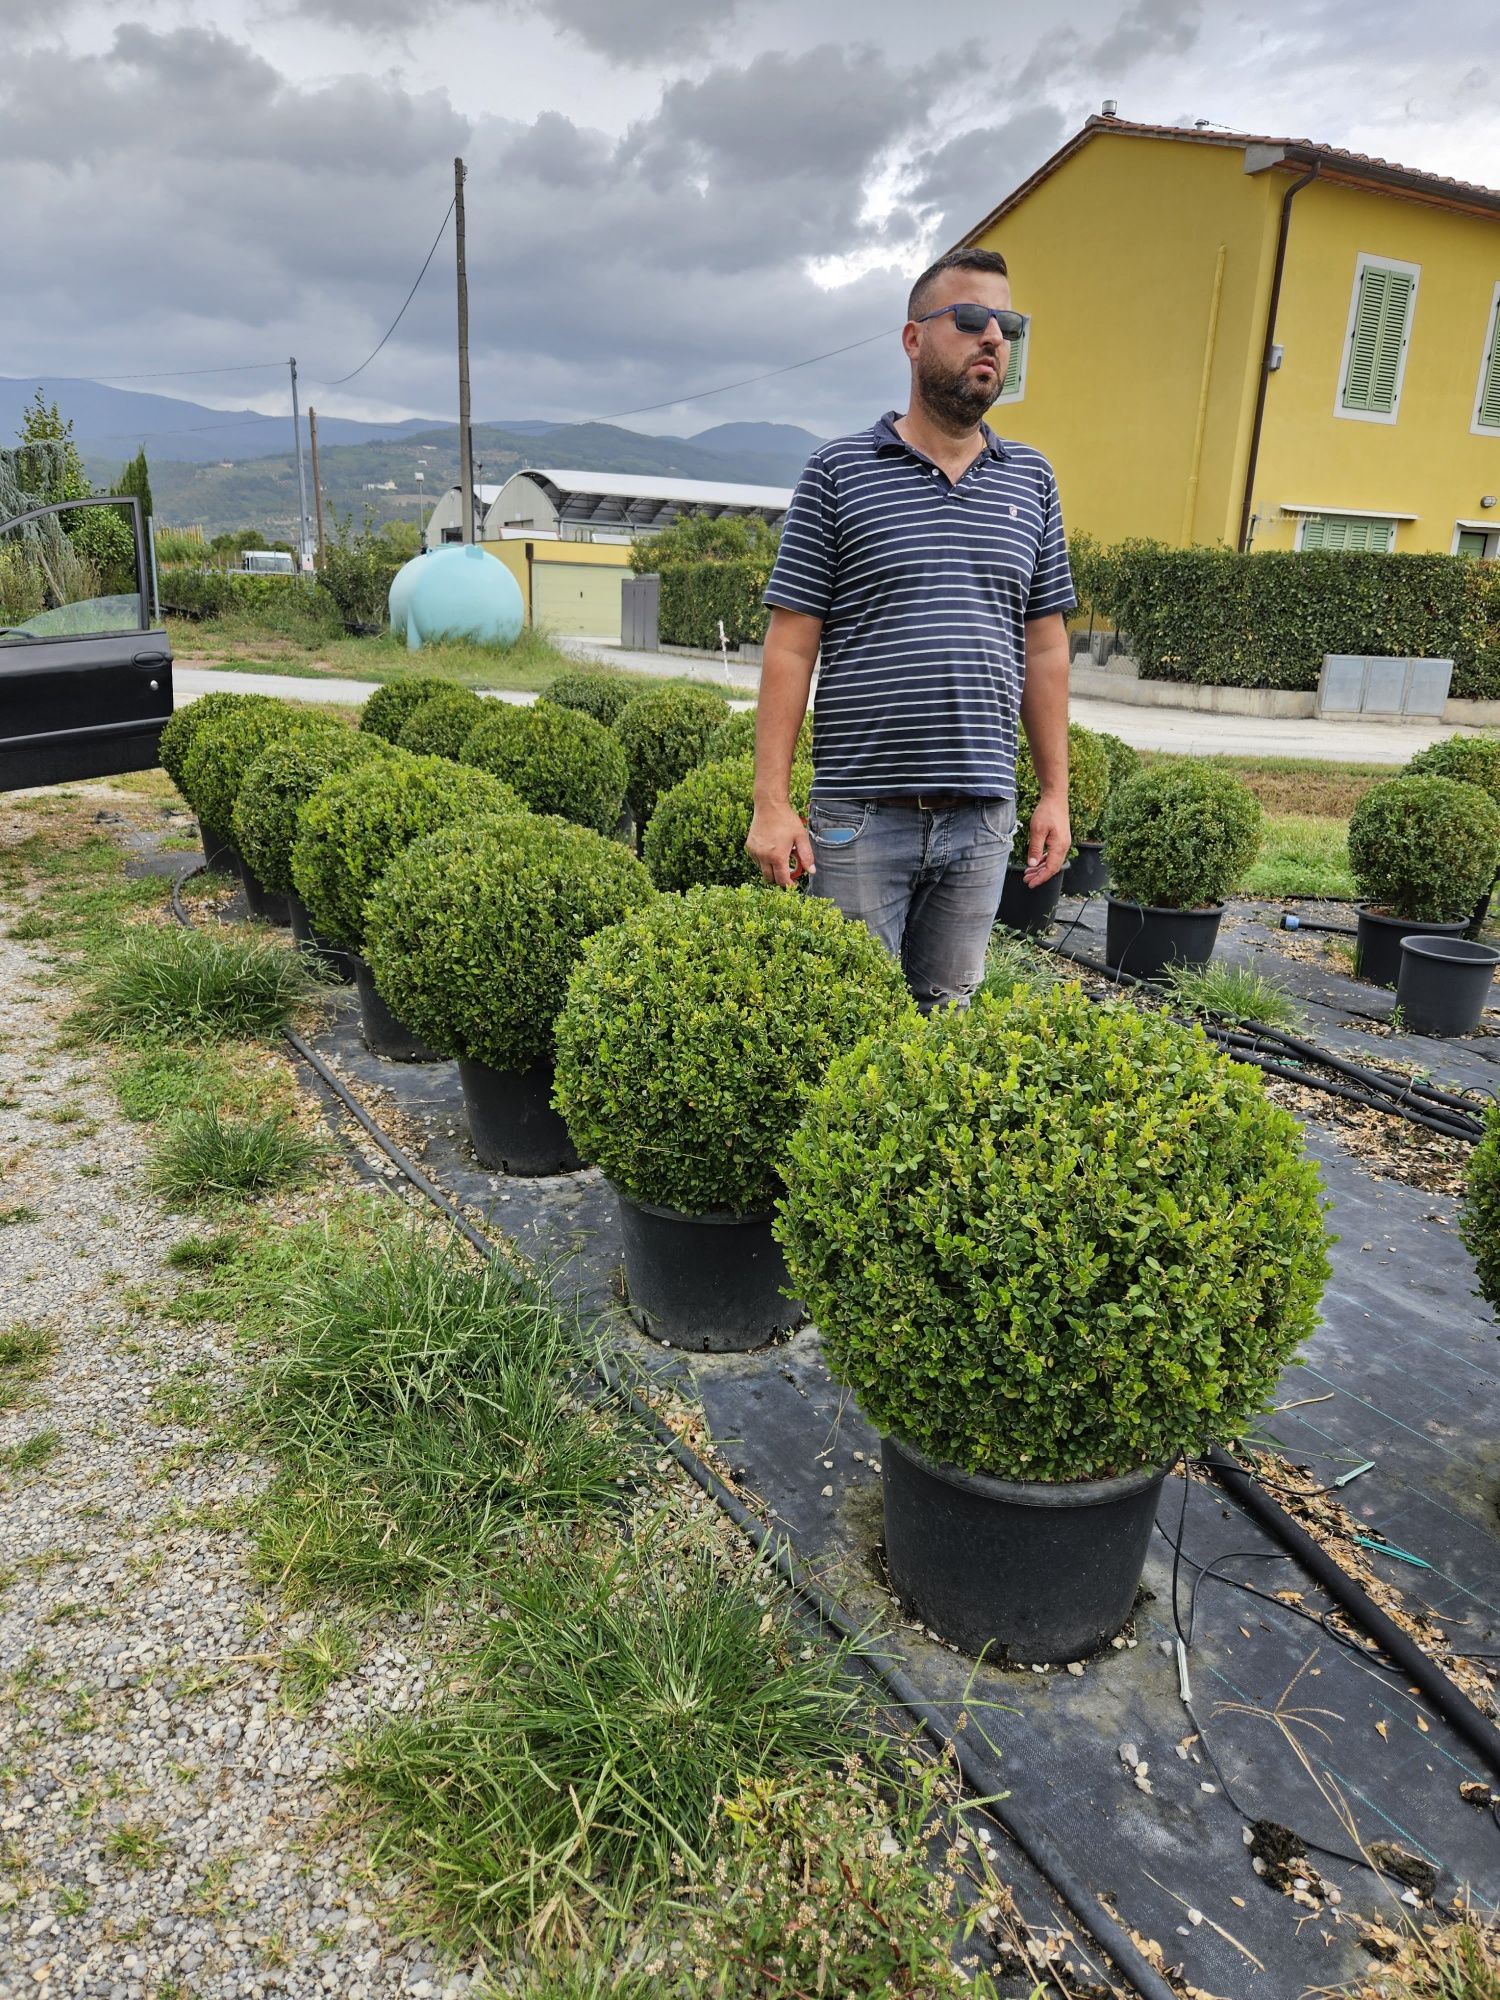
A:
331	961
1377	942
219	852
266	904
1017	1569
511	1120
1444	983
1029	910
1145	939
1087	874
384	1034
713	1283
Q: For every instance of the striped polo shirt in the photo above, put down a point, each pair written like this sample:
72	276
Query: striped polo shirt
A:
924	588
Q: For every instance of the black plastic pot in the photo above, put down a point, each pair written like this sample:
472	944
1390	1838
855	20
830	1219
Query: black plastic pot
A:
1028	910
1377	942
331	962
511	1120
268	905
1444	983
384	1035
1019	1570
219	852
1087	874
1145	939
714	1284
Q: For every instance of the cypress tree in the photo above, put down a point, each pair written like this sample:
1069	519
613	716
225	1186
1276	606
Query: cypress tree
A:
136	479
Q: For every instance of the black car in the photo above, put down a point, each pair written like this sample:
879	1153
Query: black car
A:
85	686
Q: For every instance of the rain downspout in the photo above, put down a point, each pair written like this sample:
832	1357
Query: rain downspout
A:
1190	501
1270	341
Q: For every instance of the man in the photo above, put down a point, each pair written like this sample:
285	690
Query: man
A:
927	559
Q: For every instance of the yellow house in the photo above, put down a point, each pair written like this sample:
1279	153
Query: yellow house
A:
1256	341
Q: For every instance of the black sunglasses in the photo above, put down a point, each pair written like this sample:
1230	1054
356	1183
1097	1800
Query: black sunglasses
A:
976	319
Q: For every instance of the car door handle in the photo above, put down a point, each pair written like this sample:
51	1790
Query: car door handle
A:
150	659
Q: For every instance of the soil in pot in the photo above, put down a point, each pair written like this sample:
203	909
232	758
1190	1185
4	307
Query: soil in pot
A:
331	962
1377	943
511	1121
714	1284
383	1034
1145	939
1028	910
1017	1570
219	852
1087	874
266	905
1444	984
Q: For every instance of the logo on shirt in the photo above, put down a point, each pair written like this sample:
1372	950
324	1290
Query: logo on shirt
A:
1015	513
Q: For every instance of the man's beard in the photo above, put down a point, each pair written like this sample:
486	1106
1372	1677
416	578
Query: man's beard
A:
953	395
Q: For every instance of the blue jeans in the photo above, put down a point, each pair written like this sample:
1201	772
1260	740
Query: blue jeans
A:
926	881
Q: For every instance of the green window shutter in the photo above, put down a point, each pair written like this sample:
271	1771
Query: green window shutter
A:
1489	395
1314	532
1349	533
1471	543
1011	386
1377	341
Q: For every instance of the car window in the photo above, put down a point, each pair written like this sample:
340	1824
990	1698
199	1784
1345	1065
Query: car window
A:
73	572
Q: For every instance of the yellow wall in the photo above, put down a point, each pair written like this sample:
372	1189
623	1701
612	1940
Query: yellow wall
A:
602	555
1428	462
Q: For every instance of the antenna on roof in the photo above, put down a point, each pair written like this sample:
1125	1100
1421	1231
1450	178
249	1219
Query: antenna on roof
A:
1109	107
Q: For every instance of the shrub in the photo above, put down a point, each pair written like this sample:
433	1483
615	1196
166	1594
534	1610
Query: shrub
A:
167	984
663	735
1046	1239
225	748
1180	836
697	833
471	934
387	711
277	786
1088	783
602	696
736	738
1468	760
357	570
360	819
438	726
181	731
1123	764
1424	848
1479	1222
694	1030
557	760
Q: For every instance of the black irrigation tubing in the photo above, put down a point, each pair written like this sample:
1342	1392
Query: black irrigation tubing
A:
979	1771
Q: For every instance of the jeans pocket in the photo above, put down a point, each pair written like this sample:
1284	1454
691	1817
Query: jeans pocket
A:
999	817
837	822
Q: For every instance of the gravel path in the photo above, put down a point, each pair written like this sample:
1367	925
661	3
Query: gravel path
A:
160	1807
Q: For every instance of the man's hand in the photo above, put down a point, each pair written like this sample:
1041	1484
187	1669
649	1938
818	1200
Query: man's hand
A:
1049	838
780	845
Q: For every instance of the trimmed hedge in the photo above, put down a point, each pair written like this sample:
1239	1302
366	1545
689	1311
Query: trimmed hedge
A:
696	595
698	831
280	603
472	932
359	820
387	711
600	695
1010	1280
1468	760
1180	836
277	786
181	729
663	734
227	745
557	760
1479	1220
1123	765
440	726
736	738
1088	783
694	1030
1424	848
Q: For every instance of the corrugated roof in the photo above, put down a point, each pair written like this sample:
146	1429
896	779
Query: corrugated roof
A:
642	486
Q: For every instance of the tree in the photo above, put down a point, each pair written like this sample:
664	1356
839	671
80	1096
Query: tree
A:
48	464
136	479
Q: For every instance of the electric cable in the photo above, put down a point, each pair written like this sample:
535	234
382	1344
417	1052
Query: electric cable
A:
339	379
699	395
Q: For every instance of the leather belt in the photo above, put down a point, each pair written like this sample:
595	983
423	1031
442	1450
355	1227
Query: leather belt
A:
933	801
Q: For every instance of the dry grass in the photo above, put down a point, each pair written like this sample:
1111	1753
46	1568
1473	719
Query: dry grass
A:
1311	786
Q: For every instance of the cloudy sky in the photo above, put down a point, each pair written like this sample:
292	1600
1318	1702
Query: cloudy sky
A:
663	195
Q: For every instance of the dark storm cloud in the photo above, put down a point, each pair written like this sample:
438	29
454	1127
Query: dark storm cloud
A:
959	182
667	29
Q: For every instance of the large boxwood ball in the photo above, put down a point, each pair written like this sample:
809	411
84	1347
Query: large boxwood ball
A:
1468	760
602	696
277	786
1180	836
558	760
227	745
697	833
1124	762
1045	1239
471	933
388	710
1088	783
181	729
1479	1223
736	738
663	734
1424	848
440	726
694	1030
358	821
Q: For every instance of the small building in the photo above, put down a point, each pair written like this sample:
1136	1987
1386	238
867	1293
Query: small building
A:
446	521
543	501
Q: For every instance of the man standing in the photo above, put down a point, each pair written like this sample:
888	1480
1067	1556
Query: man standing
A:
926	557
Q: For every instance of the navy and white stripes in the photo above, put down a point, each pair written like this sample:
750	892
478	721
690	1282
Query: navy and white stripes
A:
924	589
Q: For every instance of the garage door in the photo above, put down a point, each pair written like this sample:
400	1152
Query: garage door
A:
577	597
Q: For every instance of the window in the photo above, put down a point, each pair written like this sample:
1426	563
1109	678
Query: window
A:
1013	388
1354	533
1472	542
1487	396
1375	343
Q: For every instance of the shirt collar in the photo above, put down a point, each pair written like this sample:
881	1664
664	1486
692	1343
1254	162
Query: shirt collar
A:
887	437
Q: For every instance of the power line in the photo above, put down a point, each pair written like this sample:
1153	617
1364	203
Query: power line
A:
697	395
397	320
161	374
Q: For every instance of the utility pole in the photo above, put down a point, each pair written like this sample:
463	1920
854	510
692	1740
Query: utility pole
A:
302	533
465	442
312	432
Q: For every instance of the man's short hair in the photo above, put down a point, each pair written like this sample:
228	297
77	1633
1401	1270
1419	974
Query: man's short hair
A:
955	260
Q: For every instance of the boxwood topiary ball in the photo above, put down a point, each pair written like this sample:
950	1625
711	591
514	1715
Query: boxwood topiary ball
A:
181	730
277	786
228	744
439	726
391	707
736	738
1479	1222
472	932
697	833
663	734
1123	763
1088	783
1468	760
694	1030
1180	836
1424	848
558	760
602	696
358	821
1045	1239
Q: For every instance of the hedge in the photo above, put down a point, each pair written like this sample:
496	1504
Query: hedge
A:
695	596
282	603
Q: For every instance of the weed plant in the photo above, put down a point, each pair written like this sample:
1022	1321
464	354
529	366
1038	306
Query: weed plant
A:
24	1354
1011	962
169	984
1233	993
206	1157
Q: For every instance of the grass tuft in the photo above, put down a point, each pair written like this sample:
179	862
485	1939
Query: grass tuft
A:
1233	993
310	1666
24	1354
37	1450
1011	962
206	1157
204	1253
168	984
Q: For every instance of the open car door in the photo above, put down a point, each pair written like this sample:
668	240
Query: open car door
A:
85	675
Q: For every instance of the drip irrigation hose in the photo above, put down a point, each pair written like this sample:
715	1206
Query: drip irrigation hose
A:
1290	922
979	1770
1449	1700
